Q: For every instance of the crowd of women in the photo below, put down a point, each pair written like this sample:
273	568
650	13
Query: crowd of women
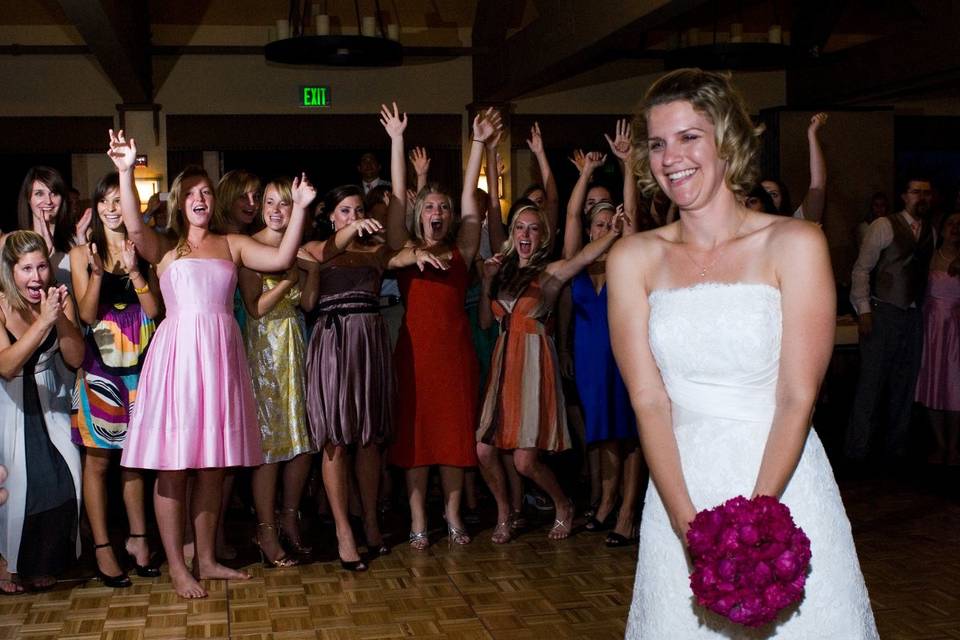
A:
185	351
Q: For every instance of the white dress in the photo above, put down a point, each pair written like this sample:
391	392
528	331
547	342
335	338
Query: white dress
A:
718	350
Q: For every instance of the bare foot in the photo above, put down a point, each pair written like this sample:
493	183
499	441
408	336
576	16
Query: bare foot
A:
7	583
186	585
562	526
217	571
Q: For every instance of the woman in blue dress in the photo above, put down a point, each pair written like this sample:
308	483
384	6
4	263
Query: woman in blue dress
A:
610	425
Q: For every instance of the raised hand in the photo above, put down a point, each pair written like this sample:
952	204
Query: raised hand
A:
64	295
420	160
302	191
491	266
486	124
368	226
620	222
622	143
817	121
494	139
83	226
578	159
50	308
122	152
426	259
128	257
94	260
393	122
535	141
593	161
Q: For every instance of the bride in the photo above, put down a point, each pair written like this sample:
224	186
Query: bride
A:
723	357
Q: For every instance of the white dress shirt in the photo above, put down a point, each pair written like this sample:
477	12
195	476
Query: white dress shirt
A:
373	184
878	237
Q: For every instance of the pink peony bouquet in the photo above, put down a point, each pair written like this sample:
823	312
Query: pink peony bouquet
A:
750	560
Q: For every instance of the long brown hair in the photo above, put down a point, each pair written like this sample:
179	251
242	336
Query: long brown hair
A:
51	178
176	219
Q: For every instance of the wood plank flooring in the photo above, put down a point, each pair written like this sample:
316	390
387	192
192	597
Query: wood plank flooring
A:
907	532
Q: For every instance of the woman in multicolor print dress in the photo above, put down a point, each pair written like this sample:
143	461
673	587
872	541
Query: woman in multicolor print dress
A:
116	298
275	341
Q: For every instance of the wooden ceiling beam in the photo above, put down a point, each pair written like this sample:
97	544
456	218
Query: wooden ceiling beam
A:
924	55
118	34
567	38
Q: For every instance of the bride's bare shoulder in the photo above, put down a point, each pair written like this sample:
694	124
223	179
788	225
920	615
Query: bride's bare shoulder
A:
644	248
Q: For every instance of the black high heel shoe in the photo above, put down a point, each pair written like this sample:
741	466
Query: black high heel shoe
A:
144	571
601	525
114	582
353	565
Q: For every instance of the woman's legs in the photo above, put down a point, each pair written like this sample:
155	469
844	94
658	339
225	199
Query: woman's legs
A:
451	478
225	550
417	496
632	469
205	508
529	465
610	469
96	463
169	499
133	492
367	469
496	479
295	473
264	484
335	480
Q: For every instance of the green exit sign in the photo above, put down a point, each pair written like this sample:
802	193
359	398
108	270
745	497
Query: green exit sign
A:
314	96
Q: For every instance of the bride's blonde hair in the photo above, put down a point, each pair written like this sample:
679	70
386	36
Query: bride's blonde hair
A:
712	94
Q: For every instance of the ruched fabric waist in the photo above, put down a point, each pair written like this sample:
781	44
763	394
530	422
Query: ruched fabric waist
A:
748	404
206	308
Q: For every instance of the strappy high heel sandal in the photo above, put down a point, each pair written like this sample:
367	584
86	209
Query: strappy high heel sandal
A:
503	532
456	535
419	540
144	571
284	561
286	537
120	581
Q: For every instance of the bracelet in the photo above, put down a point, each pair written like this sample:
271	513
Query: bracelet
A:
142	290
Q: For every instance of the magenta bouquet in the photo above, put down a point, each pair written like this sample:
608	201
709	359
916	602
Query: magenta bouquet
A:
750	560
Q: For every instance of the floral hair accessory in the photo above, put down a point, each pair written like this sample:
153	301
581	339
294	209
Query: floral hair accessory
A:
750	560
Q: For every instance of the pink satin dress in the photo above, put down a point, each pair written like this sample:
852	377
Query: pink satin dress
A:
195	406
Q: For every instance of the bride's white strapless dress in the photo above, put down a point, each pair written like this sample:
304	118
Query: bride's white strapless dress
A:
718	350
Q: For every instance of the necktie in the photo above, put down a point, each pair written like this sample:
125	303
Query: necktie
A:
915	226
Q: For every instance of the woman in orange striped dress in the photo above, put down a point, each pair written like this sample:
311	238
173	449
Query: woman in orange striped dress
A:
523	402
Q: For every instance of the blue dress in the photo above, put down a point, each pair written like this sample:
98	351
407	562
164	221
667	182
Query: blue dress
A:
603	396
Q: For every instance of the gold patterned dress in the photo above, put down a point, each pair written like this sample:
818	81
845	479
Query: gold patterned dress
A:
275	349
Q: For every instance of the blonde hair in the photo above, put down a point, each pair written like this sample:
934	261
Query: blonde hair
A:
711	94
512	277
176	219
16	245
232	185
284	187
432	188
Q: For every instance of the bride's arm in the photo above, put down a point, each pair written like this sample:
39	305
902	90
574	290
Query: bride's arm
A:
808	301
629	313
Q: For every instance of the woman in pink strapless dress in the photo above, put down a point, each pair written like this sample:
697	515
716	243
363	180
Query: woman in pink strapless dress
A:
938	385
195	406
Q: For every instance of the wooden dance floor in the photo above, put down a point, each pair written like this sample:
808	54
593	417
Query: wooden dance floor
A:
907	533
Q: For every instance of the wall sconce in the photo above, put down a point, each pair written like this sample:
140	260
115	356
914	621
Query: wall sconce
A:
146	187
483	184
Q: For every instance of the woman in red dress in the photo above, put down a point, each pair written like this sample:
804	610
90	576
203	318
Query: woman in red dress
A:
435	362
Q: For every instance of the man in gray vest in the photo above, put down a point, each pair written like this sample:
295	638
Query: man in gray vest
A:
888	282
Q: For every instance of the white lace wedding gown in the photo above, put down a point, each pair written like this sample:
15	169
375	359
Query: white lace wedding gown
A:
718	350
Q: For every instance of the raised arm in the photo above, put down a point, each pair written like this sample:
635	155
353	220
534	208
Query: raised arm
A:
622	147
808	301
629	313
86	286
324	250
491	267
816	197
563	270
151	245
551	207
254	255
573	229
411	255
495	227
309	281
485	126
421	165
394	124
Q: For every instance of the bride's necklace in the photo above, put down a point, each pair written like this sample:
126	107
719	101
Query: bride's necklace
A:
703	269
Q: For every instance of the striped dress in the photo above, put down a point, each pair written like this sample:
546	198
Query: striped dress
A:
106	385
523	405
